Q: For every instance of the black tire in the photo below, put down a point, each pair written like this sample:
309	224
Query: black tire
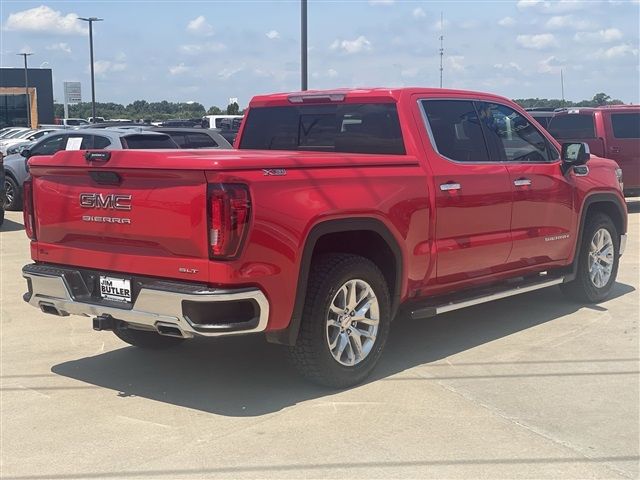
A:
145	339
582	288
13	194
311	355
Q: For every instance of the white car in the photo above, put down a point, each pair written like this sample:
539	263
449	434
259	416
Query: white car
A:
25	136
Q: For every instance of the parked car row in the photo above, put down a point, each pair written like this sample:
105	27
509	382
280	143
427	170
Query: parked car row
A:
108	138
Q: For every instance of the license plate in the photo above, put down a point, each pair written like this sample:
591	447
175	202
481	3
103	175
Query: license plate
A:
116	289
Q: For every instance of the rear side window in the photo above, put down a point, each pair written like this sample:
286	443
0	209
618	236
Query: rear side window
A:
354	128
200	140
100	142
139	142
626	125
572	126
456	130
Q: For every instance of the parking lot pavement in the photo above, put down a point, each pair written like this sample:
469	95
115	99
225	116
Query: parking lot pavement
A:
530	387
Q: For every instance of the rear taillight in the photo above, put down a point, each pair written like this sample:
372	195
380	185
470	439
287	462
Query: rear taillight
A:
27	210
229	215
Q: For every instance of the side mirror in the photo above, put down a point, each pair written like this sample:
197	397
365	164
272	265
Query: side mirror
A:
575	153
26	152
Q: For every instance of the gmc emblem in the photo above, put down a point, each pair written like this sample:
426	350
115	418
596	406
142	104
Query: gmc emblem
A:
109	201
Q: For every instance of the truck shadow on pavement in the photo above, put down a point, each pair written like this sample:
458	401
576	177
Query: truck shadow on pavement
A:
11	226
245	376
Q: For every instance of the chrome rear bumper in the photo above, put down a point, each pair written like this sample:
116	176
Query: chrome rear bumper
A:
157	303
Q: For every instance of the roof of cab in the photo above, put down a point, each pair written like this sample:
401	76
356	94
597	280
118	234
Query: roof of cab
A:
365	95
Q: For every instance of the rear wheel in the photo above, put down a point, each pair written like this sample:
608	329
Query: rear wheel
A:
345	321
598	259
13	195
144	338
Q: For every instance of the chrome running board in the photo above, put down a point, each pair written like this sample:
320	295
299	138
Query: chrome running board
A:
426	311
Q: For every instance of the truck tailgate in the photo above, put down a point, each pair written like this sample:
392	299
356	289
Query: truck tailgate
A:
121	218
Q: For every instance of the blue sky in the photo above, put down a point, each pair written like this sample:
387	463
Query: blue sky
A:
209	51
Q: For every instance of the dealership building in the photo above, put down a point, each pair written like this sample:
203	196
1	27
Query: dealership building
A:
13	97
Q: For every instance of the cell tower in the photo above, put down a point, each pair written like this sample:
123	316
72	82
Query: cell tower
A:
441	44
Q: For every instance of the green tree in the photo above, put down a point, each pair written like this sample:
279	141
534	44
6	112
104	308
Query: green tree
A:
214	111
601	99
233	109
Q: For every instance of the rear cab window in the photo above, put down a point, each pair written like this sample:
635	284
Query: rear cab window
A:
372	128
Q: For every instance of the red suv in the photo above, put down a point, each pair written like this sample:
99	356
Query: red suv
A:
611	132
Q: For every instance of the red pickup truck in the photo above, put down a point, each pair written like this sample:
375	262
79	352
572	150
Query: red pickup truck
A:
338	211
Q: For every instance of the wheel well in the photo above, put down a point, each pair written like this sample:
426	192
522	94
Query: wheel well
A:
609	209
366	243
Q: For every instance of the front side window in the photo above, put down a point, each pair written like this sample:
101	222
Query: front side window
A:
371	128
511	137
572	126
100	142
626	125
456	130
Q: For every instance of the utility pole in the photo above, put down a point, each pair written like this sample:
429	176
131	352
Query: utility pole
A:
562	85
26	87
93	85
441	44
303	42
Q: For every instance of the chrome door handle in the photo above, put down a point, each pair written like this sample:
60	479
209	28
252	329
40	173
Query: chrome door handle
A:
447	187
522	182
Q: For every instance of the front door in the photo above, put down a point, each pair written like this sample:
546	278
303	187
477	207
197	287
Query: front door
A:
473	194
542	216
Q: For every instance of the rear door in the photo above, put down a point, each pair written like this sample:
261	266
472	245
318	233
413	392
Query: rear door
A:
542	216
623	133
472	193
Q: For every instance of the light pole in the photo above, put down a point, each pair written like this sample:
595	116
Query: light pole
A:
26	87
93	85
303	41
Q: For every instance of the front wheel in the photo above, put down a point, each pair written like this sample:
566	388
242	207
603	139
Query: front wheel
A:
345	322
598	259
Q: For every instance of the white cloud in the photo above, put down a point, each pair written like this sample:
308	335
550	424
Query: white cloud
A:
511	66
418	13
227	73
198	48
618	51
381	2
61	47
199	26
102	67
606	35
549	7
178	69
541	41
272	34
550	65
568	21
506	22
331	73
358	45
46	20
455	63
